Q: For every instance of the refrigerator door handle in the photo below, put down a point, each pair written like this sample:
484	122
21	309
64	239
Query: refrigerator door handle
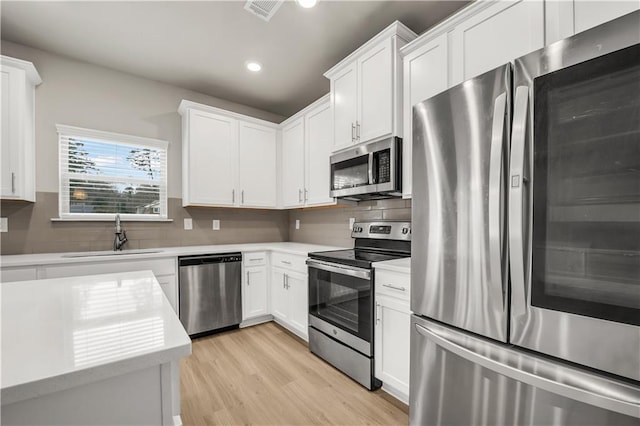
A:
496	218
535	372
517	181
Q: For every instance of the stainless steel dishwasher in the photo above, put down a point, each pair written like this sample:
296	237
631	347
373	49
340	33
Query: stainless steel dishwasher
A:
209	292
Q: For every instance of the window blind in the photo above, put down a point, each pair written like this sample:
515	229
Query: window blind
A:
103	174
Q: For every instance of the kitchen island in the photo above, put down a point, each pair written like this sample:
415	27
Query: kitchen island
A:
99	349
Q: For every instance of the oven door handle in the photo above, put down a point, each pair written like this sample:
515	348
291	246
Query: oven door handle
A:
351	271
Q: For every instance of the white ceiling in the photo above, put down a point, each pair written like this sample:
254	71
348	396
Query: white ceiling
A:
203	45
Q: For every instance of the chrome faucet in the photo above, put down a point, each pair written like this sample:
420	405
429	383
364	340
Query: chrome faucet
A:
121	236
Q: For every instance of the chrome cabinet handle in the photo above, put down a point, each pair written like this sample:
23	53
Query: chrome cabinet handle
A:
542	374
13	183
306	195
357	130
353	132
286	280
248	283
256	259
394	287
233	196
299	195
517	222
496	199
286	262
378	306
284	283
242	196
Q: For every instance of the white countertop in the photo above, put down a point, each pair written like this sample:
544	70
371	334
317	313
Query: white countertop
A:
65	332
151	253
397	265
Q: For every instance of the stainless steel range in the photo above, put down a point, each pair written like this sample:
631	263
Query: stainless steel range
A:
341	297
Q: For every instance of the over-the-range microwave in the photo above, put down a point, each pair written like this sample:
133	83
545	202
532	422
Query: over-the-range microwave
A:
369	171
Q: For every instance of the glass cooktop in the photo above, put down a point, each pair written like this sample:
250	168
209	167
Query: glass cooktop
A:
356	257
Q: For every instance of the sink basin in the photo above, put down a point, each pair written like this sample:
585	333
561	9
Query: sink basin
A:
110	253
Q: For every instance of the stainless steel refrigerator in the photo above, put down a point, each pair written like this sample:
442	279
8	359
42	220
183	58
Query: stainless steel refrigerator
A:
526	240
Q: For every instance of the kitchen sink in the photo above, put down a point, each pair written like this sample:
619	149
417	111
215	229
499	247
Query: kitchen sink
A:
110	253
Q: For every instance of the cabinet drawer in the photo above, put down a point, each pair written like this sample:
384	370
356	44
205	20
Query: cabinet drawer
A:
257	258
289	261
159	267
394	284
18	274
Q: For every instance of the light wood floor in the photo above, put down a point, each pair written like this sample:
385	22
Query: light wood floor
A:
264	375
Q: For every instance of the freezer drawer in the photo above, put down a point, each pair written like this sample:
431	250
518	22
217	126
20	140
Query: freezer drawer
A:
460	379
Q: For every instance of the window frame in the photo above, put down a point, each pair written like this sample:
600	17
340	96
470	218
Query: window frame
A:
64	213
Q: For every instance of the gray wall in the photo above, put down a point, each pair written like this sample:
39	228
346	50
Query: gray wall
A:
330	225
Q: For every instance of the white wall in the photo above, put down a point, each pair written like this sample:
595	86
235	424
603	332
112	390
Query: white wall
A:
85	95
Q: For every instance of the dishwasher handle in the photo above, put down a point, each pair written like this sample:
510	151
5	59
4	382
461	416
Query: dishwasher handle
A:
209	258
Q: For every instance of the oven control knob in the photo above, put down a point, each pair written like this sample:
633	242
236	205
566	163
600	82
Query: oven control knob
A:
405	231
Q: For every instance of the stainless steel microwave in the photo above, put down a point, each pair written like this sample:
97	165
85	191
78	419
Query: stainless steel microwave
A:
369	171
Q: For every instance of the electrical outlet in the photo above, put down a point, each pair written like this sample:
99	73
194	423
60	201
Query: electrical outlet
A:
216	225
297	223
352	220
4	224
188	224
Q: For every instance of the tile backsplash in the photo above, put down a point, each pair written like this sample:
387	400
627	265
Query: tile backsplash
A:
32	231
330	225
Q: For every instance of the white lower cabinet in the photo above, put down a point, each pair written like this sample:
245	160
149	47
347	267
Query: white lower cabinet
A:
289	300
392	332
254	292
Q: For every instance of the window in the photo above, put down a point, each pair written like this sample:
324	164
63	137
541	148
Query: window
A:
104	173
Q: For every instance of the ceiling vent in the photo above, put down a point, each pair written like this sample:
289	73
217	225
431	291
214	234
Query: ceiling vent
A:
263	9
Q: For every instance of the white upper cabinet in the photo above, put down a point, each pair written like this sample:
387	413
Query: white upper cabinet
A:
306	148
258	153
17	146
425	74
345	106
365	89
293	164
589	13
318	146
209	152
496	35
228	160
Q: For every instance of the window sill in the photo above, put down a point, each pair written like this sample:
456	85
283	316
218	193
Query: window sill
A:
101	219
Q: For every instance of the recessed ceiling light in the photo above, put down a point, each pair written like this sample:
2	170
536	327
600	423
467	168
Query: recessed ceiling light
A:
254	66
307	3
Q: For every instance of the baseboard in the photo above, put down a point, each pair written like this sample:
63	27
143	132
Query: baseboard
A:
257	320
177	420
395	393
292	330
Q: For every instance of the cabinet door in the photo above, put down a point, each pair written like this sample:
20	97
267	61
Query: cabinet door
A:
375	93
319	128
12	80
500	33
257	176
589	14
392	331
254	292
426	73
344	107
279	295
299	300
293	164
211	161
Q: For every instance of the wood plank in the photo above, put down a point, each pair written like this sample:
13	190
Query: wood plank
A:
265	375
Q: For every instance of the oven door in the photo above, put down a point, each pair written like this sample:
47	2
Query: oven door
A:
341	303
574	204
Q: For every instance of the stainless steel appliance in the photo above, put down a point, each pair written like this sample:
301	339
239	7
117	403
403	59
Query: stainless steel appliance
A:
368	171
548	196
341	297
209	292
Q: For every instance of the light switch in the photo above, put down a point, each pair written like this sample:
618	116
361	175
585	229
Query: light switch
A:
216	225
297	223
352	220
4	224
188	224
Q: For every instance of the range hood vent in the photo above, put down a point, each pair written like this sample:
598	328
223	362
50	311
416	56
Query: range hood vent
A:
263	9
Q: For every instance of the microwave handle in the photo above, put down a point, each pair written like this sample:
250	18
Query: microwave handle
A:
371	178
